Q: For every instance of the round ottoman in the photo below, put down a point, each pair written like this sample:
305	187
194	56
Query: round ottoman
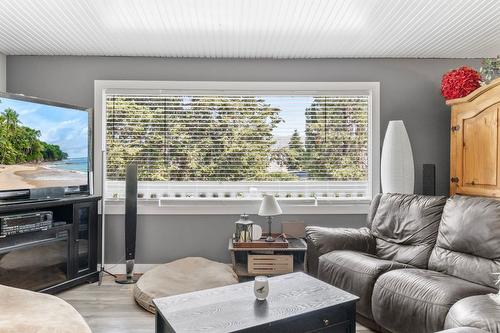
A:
482	311
181	276
30	312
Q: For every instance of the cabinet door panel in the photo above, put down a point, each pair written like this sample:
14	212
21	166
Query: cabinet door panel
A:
85	236
480	139
36	261
475	152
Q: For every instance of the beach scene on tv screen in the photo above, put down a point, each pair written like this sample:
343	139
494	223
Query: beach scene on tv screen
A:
42	145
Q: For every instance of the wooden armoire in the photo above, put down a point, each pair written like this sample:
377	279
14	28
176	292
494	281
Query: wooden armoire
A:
475	142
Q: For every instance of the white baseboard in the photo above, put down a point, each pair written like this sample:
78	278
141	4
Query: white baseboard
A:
120	268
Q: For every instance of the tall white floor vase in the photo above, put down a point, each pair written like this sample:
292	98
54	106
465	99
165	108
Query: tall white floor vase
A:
397	169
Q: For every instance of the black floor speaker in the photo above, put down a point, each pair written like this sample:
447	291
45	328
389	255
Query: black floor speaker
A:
429	179
130	224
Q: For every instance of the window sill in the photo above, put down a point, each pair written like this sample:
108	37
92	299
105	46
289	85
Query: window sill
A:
231	206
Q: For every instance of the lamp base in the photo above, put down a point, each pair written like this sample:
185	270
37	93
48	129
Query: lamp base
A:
269	235
270	239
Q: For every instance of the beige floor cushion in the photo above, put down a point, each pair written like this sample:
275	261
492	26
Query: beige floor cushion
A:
181	276
30	312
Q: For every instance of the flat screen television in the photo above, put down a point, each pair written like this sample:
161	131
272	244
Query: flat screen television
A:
43	144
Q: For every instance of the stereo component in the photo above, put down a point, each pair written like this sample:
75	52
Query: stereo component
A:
27	222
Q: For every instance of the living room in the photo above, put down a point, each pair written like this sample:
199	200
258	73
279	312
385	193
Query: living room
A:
253	166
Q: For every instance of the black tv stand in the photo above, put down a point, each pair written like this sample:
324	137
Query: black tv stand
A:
55	259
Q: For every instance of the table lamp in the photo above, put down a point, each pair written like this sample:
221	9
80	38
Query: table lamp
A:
269	207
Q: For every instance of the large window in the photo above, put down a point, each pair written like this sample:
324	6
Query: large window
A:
238	144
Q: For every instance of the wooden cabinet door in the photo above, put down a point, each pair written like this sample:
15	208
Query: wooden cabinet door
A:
475	142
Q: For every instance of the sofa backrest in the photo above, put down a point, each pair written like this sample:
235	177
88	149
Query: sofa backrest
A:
468	242
405	226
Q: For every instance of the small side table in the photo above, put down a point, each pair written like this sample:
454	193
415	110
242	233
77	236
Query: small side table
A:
240	256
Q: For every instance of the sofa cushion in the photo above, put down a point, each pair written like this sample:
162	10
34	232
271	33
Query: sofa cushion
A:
356	273
405	227
481	311
417	300
30	312
468	242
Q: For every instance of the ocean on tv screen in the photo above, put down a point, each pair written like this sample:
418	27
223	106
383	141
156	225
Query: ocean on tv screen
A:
42	145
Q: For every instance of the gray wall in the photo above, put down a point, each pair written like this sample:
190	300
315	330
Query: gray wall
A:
3	72
409	91
168	237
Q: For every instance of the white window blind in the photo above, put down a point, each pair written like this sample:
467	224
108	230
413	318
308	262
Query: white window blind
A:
237	146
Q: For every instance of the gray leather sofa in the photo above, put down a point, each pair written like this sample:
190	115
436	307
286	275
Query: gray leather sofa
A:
419	264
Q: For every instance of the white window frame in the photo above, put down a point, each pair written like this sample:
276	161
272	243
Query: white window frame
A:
222	206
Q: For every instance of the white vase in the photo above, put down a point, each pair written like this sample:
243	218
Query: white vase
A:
397	169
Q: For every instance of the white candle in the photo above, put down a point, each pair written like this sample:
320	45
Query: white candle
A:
261	287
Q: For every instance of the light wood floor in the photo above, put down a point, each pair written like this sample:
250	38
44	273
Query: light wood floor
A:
111	308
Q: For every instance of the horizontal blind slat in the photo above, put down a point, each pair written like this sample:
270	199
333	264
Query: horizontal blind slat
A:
218	137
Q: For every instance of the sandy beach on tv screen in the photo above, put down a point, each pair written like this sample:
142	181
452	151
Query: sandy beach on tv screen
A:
25	176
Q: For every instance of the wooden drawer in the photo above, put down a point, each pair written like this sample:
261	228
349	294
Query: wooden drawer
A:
263	264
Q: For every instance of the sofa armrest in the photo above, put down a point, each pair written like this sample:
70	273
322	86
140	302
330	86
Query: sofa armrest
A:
322	240
479	311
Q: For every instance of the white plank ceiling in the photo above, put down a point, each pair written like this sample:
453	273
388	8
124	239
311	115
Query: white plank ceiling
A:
252	28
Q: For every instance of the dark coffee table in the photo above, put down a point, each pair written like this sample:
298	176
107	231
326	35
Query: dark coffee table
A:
296	303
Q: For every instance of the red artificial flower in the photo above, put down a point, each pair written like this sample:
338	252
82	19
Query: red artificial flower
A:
460	82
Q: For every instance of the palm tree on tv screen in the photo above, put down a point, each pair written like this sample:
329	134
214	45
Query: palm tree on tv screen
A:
22	144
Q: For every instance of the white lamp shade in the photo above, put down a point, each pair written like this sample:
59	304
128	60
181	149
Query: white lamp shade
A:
397	169
269	206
